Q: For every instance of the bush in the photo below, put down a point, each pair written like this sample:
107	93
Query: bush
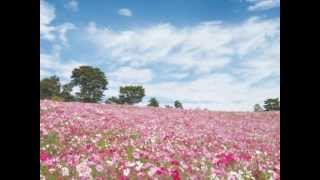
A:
57	98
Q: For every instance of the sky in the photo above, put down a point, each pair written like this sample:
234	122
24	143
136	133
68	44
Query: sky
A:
213	54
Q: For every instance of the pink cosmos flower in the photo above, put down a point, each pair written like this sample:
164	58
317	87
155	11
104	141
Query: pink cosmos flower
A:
175	175
99	168
44	156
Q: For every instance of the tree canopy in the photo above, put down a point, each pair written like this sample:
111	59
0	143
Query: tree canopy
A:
178	104
153	102
131	94
50	87
272	104
91	81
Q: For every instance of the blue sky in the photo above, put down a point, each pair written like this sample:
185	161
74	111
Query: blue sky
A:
214	54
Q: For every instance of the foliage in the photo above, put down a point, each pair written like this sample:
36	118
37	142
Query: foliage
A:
114	100
272	104
49	87
66	93
92	83
131	94
178	104
153	102
57	98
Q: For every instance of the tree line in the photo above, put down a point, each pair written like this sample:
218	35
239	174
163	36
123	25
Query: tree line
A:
92	83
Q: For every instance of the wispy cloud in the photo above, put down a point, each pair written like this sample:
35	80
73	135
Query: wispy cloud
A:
131	75
259	5
56	35
125	12
51	64
48	31
73	5
221	63
47	14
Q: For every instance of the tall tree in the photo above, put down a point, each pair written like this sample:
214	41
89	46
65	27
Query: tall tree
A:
66	93
50	87
92	83
178	104
153	102
272	104
131	94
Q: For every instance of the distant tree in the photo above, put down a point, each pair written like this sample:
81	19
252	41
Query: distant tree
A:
168	106
92	83
66	93
178	104
258	108
153	102
272	104
114	100
49	87
131	94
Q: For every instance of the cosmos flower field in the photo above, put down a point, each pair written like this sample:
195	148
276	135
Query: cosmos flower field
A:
97	141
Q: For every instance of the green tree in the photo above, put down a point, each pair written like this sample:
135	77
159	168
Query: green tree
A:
178	104
114	99
131	94
66	93
272	104
91	81
258	108
49	87
153	102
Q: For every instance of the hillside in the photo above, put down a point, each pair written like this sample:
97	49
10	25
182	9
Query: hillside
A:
96	141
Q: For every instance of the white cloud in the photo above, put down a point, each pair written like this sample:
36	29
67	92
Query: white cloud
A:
125	12
50	64
131	75
215	92
259	5
47	14
63	29
202	48
228	61
73	5
48	31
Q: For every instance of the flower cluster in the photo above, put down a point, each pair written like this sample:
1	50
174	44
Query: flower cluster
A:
97	141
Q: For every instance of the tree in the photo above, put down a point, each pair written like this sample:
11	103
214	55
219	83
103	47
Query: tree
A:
91	81
168	106
49	87
66	93
272	104
131	94
178	104
258	108
114	99
153	102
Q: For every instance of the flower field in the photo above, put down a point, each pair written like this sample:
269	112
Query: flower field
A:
97	141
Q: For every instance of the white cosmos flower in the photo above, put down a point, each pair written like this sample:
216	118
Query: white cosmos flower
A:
65	171
126	172
130	164
258	152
